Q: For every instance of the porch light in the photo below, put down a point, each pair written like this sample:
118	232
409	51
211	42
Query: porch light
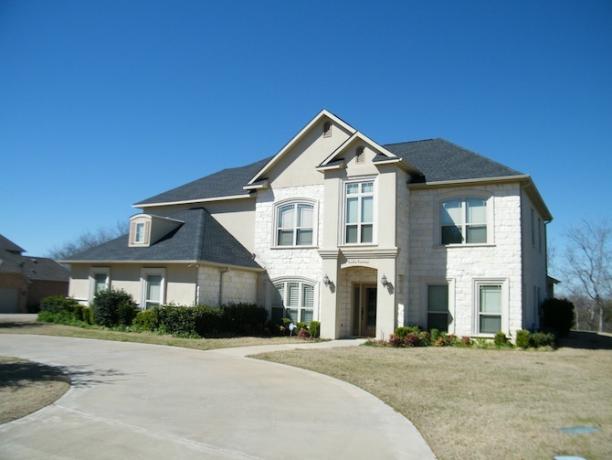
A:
384	280
326	280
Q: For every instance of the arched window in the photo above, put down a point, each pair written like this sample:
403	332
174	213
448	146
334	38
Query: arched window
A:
294	224
463	221
293	299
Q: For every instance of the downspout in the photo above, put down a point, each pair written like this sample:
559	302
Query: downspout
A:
221	272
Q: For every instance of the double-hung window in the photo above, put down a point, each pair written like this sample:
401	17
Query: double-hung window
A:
139	232
153	287
489	308
359	213
99	280
294	225
463	221
294	299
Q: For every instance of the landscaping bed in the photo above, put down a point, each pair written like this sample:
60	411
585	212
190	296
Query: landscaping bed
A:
483	403
26	387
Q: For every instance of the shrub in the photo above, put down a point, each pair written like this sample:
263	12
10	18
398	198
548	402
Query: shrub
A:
541	339
402	331
303	333
106	306
209	321
301	325
522	338
435	333
500	339
146	320
411	340
177	320
465	341
126	312
445	340
395	341
557	315
424	338
315	329
57	303
244	319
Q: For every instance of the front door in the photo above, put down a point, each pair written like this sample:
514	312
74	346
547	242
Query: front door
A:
364	310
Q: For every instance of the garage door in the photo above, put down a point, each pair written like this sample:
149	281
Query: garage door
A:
8	300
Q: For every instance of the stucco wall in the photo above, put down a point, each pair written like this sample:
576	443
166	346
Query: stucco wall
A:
348	277
430	262
180	281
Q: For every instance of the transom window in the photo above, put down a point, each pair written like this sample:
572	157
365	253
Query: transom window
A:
437	307
489	308
294	225
464	221
139	233
293	299
359	213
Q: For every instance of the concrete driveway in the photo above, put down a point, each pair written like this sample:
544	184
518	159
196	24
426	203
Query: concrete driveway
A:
153	402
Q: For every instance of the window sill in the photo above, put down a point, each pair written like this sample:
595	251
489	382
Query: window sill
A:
294	247
473	245
358	245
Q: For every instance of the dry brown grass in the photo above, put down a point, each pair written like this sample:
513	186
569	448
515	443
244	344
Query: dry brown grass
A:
140	337
483	404
26	387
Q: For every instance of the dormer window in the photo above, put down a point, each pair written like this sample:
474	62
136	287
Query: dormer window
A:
139	234
327	129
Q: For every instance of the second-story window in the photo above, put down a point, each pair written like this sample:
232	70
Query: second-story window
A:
463	221
139	233
359	213
294	225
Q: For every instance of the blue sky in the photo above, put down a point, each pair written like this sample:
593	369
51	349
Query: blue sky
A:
105	103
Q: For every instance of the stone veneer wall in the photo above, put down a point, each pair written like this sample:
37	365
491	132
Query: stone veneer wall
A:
288	262
430	262
239	286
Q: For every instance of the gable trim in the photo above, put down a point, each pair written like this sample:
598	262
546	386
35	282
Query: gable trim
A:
196	200
289	145
364	138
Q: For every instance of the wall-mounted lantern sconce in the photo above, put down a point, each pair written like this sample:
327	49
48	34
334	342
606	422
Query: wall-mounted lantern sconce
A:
326	280
384	281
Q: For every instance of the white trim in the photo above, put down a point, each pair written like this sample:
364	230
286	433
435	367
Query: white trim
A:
197	200
263	184
315	222
363	138
154	216
358	223
144	273
442	183
298	136
93	271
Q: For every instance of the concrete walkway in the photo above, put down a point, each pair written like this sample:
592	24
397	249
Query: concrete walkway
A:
146	401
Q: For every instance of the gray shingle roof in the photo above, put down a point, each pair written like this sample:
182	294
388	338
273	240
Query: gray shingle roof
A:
437	159
440	160
227	182
200	237
8	245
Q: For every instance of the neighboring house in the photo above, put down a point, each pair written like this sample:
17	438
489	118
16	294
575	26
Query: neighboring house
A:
25	280
335	227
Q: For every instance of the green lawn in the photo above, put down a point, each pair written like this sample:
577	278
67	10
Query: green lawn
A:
484	404
38	328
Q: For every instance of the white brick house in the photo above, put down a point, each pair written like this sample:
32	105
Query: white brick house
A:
335	227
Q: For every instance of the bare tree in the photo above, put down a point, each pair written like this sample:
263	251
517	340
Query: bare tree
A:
588	266
88	240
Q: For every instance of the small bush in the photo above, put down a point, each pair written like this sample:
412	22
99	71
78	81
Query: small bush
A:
522	338
424	338
303	333
315	329
445	340
411	339
301	325
106	306
465	341
541	339
61	310
244	319
57	303
500	339
435	334
176	320
395	341
557	316
402	331
146	320
126	312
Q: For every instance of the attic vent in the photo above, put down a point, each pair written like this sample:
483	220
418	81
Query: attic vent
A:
327	129
359	154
